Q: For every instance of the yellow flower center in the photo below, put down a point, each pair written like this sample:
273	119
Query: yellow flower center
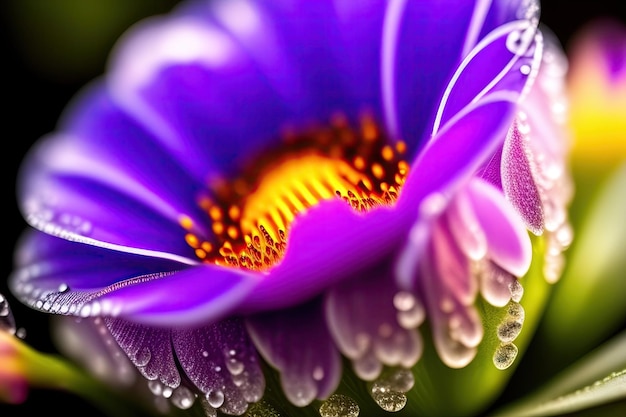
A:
250	215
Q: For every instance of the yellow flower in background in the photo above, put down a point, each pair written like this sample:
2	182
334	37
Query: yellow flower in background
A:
597	88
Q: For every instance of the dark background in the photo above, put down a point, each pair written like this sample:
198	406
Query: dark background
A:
50	48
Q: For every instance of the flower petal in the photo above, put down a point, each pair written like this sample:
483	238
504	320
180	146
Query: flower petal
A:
508	242
302	351
432	54
506	59
363	320
148	348
103	181
326	245
222	363
461	147
63	277
236	100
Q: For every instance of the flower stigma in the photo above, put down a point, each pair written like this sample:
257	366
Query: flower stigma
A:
251	214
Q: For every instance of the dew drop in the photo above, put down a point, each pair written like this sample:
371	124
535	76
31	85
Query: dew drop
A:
517	290
215	398
509	330
7	321
234	366
338	405
155	387
63	288
516	312
386	398
411	312
21	333
318	373
505	355
183	398
401	380
142	357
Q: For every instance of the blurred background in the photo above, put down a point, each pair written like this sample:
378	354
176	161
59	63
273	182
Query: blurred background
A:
51	48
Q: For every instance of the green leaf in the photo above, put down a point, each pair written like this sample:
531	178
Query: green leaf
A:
596	379
589	299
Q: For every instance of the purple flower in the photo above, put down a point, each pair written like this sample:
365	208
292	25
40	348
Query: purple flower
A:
299	182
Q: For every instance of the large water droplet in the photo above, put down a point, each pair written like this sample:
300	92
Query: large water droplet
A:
509	330
388	391
183	397
505	355
215	398
142	357
401	380
338	405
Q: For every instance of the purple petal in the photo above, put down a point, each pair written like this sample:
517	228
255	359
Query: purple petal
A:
222	363
447	31
64	277
363	321
458	151
519	179
326	245
148	348
508	242
236	99
506	59
82	190
456	327
297	343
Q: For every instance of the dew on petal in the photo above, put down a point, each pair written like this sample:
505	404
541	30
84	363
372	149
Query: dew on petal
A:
338	405
215	398
411	312
183	398
208	410
505	355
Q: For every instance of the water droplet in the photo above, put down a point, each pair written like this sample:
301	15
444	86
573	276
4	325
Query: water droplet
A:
517	290
183	398
505	355
338	405
234	366
386	398
21	333
318	373
142	357
215	398
7	321
413	317
63	287
205	354
155	387
401	380
509	330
